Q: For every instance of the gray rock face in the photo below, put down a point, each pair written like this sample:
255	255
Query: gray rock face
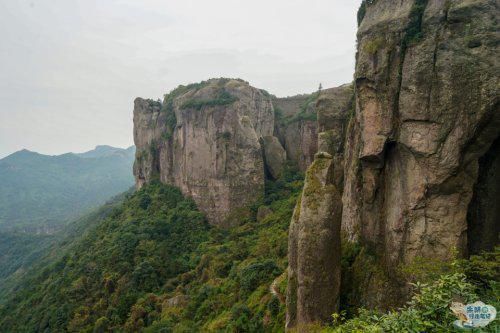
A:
274	156
314	249
417	137
421	164
314	237
296	128
204	139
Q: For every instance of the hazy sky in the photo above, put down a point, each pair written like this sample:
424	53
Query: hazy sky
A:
70	69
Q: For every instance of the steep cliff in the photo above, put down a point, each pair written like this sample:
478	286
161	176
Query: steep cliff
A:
314	237
426	112
219	140
296	127
204	138
421	150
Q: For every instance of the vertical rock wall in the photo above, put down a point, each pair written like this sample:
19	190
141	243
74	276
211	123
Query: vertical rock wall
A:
420	155
426	111
313	291
204	139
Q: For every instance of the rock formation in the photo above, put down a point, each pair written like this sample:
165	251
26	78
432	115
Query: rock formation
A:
296	127
314	236
204	138
421	151
427	111
274	156
218	140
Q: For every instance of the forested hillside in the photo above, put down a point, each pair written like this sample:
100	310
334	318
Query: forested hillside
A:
153	261
40	193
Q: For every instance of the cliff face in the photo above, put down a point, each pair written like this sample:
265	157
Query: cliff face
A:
427	110
296	127
218	140
314	237
204	139
421	151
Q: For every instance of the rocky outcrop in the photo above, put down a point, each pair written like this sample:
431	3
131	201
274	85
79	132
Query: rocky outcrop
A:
204	139
218	140
421	150
313	291
297	121
314	248
427	110
274	156
296	128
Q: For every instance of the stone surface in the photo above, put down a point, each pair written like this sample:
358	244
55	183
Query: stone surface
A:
297	135
313	289
420	155
426	112
314	237
211	150
274	156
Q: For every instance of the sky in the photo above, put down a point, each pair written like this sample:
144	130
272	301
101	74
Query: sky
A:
70	69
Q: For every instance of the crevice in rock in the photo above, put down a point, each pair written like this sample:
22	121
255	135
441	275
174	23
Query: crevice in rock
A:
483	215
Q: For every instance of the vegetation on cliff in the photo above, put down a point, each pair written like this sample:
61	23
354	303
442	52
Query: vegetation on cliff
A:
466	281
154	264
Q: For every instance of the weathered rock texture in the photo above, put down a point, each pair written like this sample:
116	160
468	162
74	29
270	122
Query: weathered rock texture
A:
426	112
421	165
218	140
296	128
314	237
204	139
274	156
314	248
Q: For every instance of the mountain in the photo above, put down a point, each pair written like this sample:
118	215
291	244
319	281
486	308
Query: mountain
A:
39	193
392	228
413	182
106	151
219	139
152	262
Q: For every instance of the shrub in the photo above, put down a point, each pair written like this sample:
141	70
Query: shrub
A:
253	275
413	32
222	98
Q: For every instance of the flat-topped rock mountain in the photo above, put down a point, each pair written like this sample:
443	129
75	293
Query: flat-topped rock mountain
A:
205	139
218	140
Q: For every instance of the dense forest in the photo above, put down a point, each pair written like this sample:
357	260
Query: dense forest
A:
148	261
42	193
153	262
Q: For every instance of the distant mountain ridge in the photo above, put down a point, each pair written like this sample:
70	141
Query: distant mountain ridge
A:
39	192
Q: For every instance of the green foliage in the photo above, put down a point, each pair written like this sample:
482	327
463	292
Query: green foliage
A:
428	310
255	274
43	193
151	238
229	288
362	10
120	273
372	46
303	115
222	98
413	32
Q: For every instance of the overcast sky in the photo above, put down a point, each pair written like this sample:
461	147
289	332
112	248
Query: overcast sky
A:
70	69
